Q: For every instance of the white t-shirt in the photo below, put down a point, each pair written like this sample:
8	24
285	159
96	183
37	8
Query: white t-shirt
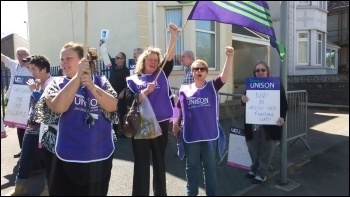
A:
16	70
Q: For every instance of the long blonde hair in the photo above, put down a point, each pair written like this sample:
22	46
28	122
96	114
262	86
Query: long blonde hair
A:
140	65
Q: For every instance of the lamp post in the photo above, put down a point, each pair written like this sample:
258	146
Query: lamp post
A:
27	23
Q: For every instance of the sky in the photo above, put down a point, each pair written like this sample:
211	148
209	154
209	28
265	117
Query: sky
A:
13	15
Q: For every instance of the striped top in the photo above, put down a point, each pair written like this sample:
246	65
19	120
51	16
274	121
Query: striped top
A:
16	70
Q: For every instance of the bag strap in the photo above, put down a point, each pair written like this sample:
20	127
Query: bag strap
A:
136	100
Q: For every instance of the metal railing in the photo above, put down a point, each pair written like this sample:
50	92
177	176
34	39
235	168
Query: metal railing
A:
232	113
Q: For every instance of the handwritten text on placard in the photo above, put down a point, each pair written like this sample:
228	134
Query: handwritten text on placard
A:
263	106
18	105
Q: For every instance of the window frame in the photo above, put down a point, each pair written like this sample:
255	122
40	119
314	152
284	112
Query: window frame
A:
211	65
302	40
180	40
331	58
303	2
322	4
319	50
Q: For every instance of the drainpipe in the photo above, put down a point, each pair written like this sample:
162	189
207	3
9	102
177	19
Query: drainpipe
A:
294	30
154	23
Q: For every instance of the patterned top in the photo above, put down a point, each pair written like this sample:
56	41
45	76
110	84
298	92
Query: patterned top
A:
33	127
188	78
43	114
16	70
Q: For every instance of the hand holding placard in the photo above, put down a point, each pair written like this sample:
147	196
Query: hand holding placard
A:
264	100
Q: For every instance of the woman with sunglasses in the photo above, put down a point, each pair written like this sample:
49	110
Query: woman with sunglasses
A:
118	74
262	139
80	109
198	103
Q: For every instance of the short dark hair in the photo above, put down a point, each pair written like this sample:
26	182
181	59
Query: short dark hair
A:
41	62
124	56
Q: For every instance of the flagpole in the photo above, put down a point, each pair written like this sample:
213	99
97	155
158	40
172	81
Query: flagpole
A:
283	74
171	47
86	29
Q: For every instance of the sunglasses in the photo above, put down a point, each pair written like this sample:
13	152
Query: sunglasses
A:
262	70
202	69
119	58
22	55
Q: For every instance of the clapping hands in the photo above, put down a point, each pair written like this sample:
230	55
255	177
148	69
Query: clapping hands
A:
33	85
84	72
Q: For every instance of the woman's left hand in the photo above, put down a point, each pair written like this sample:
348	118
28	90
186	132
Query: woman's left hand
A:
3	134
31	84
173	28
229	51
280	121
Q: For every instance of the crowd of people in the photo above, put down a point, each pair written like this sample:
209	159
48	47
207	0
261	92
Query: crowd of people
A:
75	118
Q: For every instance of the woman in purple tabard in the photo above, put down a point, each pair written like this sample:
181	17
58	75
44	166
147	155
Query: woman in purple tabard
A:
87	106
143	81
198	104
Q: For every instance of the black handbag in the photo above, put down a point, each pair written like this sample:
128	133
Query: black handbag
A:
132	119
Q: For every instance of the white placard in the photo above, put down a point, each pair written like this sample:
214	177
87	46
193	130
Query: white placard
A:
18	105
132	69
238	155
104	34
263	106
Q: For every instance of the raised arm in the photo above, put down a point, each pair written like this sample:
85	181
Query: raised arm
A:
227	70
104	54
62	101
173	37
3	58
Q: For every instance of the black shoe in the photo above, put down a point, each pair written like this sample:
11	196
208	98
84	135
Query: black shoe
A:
250	175
258	179
17	155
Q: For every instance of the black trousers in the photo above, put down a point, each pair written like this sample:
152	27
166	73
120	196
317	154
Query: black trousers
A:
122	111
143	150
20	135
79	179
48	157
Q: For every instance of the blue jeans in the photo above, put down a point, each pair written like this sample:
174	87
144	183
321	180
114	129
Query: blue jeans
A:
30	156
197	155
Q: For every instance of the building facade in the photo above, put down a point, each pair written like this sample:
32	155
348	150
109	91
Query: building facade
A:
144	23
338	33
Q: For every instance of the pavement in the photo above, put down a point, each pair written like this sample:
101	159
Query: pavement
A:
321	171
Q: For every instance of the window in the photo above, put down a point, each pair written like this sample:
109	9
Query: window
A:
205	42
175	16
303	48
319	49
304	2
330	58
322	4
